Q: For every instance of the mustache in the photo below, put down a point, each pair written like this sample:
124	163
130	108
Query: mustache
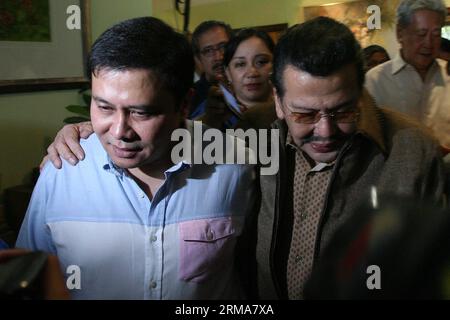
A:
125	145
319	139
218	66
339	137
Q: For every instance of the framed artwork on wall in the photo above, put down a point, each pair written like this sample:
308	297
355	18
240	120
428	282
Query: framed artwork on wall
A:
354	14
38	50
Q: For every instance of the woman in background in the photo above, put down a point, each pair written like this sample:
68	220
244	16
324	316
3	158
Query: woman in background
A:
247	90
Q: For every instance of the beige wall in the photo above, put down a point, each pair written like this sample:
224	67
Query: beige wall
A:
28	121
108	12
237	13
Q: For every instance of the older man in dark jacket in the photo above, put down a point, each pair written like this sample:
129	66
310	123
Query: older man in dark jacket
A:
337	152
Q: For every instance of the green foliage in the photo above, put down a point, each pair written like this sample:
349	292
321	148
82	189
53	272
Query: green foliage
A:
82	111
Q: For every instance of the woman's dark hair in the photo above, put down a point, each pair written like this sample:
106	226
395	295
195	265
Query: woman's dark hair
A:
241	36
146	43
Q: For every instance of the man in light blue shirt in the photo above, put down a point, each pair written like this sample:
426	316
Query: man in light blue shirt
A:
127	222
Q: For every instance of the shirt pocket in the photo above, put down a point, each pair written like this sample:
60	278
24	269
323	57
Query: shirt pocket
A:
205	246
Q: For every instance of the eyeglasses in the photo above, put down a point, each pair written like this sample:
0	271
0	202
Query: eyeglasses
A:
209	51
312	117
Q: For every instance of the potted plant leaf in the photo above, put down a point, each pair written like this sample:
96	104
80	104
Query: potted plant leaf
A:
81	111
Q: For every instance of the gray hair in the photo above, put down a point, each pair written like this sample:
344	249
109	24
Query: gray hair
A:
407	7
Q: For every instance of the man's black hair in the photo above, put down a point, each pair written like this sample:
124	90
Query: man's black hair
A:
146	43
320	46
204	27
241	36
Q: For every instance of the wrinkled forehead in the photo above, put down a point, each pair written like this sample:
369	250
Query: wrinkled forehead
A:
129	77
425	19
300	83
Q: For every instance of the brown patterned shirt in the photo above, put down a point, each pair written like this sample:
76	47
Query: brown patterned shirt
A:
310	185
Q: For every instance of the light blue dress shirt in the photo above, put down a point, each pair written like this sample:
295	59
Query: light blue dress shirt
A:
179	245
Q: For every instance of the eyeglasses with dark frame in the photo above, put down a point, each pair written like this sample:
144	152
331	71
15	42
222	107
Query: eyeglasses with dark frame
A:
209	51
312	117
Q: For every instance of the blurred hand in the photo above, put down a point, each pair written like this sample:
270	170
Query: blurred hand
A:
67	144
52	284
217	112
215	102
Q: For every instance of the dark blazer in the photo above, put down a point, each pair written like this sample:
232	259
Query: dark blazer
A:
389	152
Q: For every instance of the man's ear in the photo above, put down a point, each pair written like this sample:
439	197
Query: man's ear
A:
278	106
185	104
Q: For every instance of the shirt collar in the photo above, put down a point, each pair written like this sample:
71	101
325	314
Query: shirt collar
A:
322	166
398	64
110	167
